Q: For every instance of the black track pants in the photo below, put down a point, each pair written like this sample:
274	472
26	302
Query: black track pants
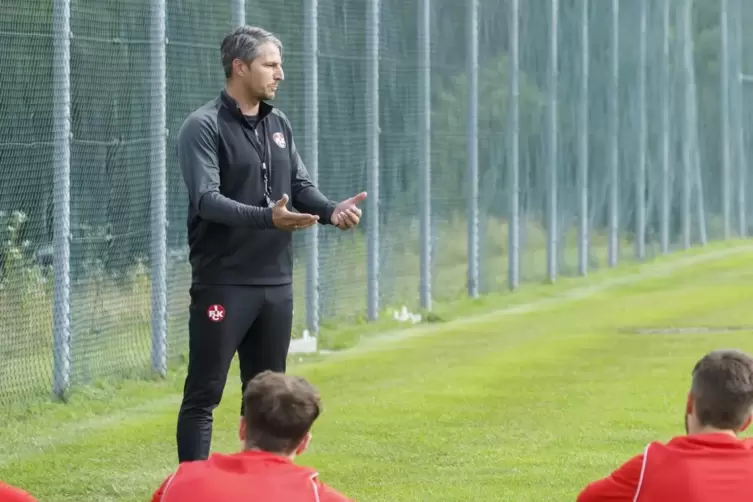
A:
255	321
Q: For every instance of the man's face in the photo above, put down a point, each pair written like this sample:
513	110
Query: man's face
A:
263	74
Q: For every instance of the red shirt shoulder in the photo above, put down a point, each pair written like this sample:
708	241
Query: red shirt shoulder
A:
158	494
620	485
329	494
10	493
701	467
697	467
228	478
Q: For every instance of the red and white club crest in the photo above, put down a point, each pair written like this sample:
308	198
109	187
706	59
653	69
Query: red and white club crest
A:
216	313
279	139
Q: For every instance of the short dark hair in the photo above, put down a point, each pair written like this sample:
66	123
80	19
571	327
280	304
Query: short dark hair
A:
243	43
723	389
279	410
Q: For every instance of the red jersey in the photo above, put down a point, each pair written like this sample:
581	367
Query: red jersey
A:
697	468
9	493
249	476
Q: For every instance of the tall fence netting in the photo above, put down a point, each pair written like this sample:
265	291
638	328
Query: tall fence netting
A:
630	121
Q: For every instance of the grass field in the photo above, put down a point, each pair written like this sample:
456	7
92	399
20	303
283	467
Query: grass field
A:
523	396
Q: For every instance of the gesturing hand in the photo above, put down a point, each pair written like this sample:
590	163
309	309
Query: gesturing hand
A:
347	213
288	220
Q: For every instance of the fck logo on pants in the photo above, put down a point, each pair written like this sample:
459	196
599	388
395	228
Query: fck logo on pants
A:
216	313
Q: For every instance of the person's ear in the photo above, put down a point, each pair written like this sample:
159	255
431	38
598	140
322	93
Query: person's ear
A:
689	404
304	444
242	429
747	423
240	67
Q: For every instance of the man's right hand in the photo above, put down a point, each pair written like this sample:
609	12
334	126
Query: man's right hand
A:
288	220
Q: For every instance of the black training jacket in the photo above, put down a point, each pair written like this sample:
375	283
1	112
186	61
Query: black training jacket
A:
230	233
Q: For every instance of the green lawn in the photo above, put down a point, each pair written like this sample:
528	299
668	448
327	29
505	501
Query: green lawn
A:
524	404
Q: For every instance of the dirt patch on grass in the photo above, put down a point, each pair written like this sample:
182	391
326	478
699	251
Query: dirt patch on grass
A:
685	330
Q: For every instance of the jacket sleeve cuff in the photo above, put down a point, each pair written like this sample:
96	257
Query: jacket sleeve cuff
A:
327	213
268	222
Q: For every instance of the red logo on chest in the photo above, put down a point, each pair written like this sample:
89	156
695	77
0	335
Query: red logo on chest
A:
216	313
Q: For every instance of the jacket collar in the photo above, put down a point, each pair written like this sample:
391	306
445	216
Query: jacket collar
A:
246	457
232	105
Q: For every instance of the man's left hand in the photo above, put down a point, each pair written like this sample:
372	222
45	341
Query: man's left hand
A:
347	214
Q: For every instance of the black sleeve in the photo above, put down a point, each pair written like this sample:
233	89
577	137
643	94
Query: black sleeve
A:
197	156
306	196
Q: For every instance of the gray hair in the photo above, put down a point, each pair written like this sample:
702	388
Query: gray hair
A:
243	43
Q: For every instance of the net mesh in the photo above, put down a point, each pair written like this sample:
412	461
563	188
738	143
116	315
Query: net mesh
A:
615	109
26	184
110	294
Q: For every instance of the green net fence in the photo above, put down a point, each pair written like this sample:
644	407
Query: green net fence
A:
503	142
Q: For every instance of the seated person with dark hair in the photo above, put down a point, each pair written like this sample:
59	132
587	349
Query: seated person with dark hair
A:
709	463
279	411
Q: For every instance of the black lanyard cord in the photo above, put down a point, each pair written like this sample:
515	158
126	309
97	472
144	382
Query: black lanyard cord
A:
261	145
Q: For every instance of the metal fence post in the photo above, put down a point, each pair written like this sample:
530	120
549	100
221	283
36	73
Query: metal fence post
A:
424	89
158	172
583	141
687	151
311	44
472	173
614	139
695	179
62	197
239	13
742	154
724	84
640	179
372	157
513	149
700	206
665	128
552	256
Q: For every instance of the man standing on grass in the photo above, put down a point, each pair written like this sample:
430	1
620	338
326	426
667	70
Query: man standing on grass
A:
276	427
243	172
709	463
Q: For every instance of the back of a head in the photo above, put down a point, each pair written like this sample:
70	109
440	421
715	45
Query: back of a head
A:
279	412
722	390
710	463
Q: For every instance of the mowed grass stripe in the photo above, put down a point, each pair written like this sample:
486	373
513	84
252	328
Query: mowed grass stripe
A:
92	408
523	407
